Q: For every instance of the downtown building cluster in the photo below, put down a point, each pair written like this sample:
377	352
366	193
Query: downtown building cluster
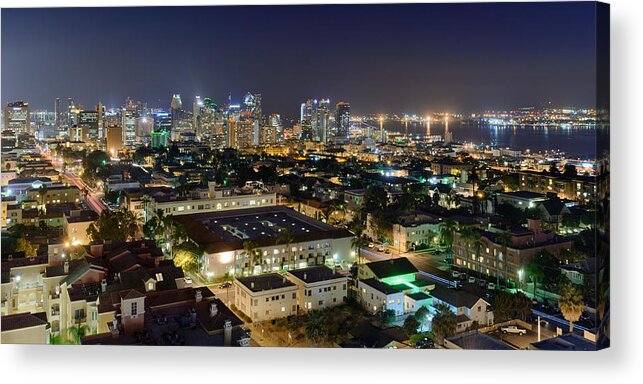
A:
321	214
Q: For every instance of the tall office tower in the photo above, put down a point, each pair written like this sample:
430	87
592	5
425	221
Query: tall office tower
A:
144	126
197	106
322	119
88	120
176	109
162	129
314	119
306	119
251	111
114	140
100	108
71	113
57	115
342	119
17	118
112	117
276	123
129	114
242	134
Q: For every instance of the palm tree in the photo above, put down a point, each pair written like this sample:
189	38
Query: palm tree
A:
571	304
535	271
250	251
444	323
447	232
286	237
315	326
358	243
504	239
471	238
133	223
42	192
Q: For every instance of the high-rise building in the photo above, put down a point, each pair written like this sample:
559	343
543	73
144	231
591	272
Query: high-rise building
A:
17	118
114	140
162	129
144	126
176	109
274	131
197	106
72	114
58	115
314	119
100	108
342	119
89	120
129	114
251	111
322	120
243	134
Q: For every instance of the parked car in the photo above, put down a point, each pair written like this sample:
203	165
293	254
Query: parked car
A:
387	251
225	284
188	280
371	245
455	274
491	286
472	280
425	343
482	283
513	329
380	249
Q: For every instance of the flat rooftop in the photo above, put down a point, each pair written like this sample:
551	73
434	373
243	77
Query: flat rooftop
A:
228	230
265	282
316	274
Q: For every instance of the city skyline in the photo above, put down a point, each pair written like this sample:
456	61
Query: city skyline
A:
402	75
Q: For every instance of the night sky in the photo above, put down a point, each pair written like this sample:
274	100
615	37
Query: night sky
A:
381	58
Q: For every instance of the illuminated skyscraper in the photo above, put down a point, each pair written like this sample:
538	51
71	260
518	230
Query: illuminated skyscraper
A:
72	114
16	117
176	110
162	128
197	106
314	118
88	120
251	111
58	116
128	116
342	119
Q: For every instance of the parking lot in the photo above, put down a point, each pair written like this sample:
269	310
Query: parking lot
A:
521	341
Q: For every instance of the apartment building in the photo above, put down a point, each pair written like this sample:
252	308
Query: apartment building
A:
252	241
319	287
578	187
266	297
507	260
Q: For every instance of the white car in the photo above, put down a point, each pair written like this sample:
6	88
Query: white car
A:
188	280
513	329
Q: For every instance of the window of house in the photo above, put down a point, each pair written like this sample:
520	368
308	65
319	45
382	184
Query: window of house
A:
294	295
134	308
